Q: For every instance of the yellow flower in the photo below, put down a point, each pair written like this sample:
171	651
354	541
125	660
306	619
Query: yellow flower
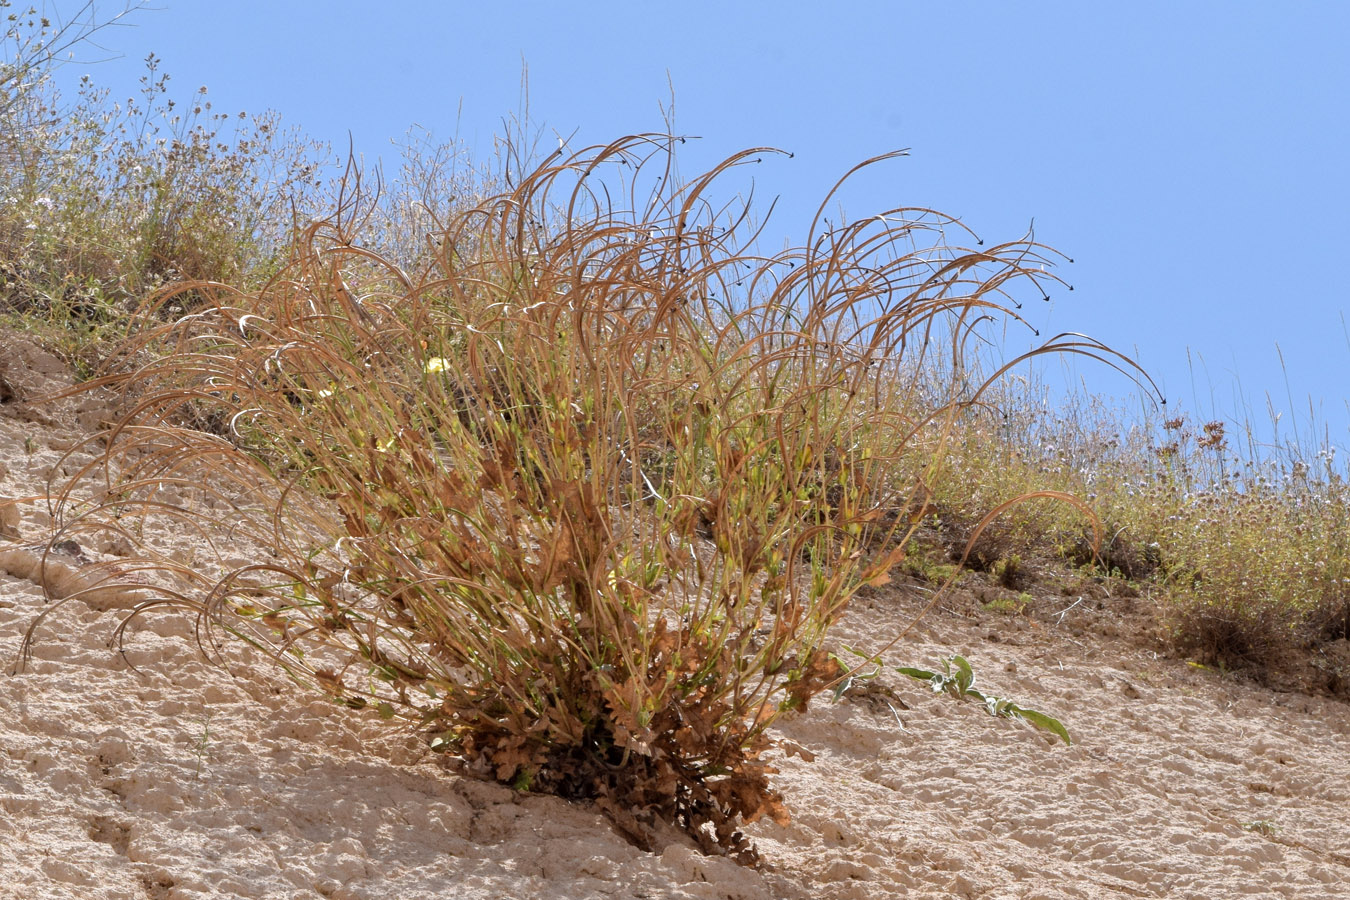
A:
437	364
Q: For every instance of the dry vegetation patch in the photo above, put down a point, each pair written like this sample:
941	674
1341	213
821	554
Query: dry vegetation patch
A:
581	500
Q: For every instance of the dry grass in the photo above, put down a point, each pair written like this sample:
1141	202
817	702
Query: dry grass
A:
1247	550
582	500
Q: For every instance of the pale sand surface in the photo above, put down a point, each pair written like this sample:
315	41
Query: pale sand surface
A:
177	781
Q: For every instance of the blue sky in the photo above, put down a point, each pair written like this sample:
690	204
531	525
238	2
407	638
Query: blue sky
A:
1191	157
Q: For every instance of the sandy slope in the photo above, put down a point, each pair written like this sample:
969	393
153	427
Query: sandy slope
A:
175	781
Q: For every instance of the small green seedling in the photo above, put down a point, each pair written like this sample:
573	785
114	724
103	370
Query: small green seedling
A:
958	679
202	745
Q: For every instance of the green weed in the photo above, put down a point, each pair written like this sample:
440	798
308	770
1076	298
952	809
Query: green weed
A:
200	752
1014	605
958	679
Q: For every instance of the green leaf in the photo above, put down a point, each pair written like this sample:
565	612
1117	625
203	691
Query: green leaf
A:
1049	724
959	681
385	710
965	675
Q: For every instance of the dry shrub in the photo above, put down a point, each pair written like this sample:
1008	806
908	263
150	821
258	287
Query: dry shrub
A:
1330	619
980	549
1231	631
581	501
1118	553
